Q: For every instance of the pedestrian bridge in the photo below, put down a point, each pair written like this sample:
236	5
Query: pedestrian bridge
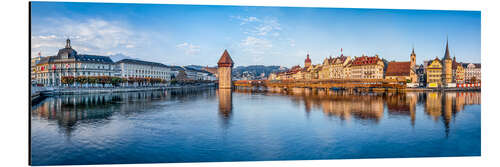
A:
324	84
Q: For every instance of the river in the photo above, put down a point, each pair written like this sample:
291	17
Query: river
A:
245	125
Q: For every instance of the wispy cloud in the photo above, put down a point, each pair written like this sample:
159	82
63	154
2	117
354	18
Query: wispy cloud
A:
245	20
95	36
260	33
189	49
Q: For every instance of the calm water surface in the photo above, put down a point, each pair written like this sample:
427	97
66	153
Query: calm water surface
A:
212	125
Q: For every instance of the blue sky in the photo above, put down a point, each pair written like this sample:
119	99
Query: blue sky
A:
188	34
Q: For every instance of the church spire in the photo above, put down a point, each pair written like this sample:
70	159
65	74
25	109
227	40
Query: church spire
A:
68	43
447	53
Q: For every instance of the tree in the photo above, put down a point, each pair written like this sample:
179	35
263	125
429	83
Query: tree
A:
115	81
68	80
92	80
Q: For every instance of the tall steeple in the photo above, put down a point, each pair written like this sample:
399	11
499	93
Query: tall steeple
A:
447	53
68	43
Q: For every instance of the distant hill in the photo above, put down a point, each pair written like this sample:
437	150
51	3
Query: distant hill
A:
257	69
198	67
120	56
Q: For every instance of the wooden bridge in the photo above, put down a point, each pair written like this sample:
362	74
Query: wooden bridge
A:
324	84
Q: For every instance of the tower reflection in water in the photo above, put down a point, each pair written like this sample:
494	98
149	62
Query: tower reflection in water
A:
225	104
98	109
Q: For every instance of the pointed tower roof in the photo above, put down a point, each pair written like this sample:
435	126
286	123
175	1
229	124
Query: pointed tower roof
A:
447	52
225	60
308	59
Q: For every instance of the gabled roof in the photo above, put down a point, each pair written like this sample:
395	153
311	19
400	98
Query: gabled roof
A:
365	60
398	69
225	59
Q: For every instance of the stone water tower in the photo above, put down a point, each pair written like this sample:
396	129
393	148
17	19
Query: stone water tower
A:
224	71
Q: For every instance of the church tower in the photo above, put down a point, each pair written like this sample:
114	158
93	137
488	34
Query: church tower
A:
447	65
413	59
68	43
307	62
224	71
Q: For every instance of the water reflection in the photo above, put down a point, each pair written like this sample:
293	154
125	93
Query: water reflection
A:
98	109
225	104
370	106
158	126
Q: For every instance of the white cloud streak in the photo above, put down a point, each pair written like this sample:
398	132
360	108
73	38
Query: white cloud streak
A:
91	36
189	49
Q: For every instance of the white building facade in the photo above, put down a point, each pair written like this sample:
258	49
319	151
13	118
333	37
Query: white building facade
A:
143	69
49	70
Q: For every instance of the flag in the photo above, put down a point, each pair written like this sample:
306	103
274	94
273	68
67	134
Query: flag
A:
53	67
67	65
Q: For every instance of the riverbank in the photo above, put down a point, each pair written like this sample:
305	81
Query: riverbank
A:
376	89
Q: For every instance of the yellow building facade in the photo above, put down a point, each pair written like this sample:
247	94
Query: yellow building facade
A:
434	72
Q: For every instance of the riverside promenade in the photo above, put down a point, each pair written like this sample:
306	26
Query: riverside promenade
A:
350	85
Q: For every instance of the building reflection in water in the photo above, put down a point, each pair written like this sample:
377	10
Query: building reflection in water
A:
446	105
225	105
370	106
97	109
402	104
341	104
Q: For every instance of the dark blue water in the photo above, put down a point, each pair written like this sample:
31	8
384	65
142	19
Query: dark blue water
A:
154	127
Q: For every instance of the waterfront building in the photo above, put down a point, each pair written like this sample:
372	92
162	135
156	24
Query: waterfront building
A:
130	68
295	73
434	72
458	72
196	74
50	70
340	69
421	77
312	72
366	67
225	67
472	73
334	68
34	61
402	71
212	70
272	76
326	69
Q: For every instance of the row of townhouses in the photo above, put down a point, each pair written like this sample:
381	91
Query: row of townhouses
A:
445	72
49	70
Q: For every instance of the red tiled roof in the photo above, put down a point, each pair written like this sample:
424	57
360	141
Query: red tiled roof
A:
398	69
365	60
225	59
